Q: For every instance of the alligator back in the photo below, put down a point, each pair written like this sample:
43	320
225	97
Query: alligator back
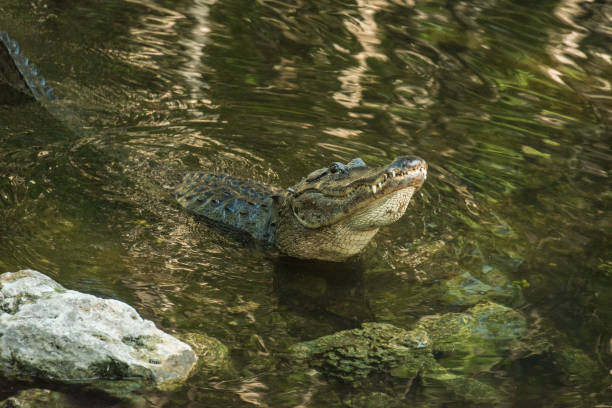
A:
241	204
18	72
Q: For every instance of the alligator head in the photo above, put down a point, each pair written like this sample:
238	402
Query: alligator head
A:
334	212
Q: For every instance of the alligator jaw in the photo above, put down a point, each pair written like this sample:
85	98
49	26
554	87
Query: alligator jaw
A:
390	194
402	172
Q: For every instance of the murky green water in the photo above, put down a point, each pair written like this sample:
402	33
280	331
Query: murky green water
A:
509	102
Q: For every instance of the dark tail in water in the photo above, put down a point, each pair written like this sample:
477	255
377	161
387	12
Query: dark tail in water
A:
17	72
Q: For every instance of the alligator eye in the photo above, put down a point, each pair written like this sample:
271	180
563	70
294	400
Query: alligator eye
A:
337	167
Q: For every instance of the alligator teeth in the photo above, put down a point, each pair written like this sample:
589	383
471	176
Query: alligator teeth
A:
380	185
393	173
374	188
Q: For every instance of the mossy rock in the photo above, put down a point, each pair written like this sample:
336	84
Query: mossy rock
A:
477	339
466	347
352	356
466	290
464	387
212	354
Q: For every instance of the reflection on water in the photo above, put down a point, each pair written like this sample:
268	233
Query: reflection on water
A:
509	102
365	31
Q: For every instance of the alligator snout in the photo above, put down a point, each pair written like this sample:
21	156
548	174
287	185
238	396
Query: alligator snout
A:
407	170
408	163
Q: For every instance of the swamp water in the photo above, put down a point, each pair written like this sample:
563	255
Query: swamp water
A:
508	101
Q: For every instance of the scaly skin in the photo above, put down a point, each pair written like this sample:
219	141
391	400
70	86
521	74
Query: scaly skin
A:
329	215
241	204
16	70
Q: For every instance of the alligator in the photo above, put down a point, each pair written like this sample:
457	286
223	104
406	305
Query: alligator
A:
329	215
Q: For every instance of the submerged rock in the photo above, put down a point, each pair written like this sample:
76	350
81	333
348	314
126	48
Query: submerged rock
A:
479	338
376	348
372	400
445	351
466	290
577	366
212	354
52	333
36	397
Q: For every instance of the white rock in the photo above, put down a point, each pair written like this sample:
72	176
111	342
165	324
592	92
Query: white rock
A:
53	333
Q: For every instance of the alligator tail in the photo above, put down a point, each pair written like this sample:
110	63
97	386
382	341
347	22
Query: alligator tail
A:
19	73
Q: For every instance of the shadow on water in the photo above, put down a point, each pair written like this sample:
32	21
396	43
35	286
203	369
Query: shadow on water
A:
322	291
60	395
10	96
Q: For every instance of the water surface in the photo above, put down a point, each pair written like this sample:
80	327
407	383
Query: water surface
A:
508	101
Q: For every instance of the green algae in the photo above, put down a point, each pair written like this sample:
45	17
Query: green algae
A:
212	354
375	349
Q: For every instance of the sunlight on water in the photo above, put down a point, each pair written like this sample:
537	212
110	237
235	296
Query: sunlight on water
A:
508	102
